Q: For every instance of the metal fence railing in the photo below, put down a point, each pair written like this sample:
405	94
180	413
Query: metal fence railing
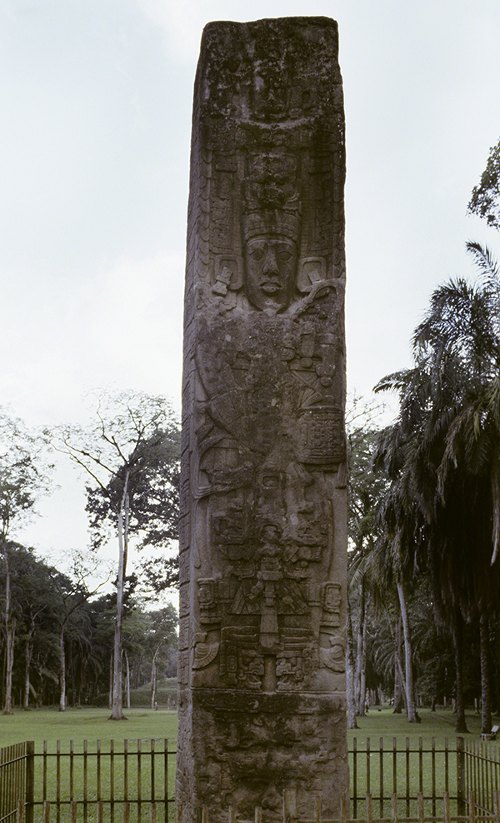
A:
135	779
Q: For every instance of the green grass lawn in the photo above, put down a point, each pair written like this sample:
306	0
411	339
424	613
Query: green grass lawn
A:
385	724
431	773
429	767
94	724
97	774
86	724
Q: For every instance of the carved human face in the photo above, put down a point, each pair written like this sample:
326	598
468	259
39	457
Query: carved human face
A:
271	264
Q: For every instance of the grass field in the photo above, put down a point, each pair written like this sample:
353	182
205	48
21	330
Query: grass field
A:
103	776
86	724
93	725
73	758
439	724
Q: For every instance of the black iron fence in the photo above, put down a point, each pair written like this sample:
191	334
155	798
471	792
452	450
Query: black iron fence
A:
135	781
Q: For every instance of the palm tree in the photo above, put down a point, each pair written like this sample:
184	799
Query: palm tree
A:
365	489
400	534
446	450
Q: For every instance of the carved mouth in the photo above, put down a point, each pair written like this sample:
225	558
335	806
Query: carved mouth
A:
270	287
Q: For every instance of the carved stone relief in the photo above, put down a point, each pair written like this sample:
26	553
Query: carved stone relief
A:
263	546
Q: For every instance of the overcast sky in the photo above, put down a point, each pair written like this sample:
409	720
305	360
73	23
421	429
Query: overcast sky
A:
95	101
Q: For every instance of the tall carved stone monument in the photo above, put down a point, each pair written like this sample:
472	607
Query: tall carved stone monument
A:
263	525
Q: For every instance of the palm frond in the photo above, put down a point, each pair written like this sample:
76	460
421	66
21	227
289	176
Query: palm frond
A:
484	260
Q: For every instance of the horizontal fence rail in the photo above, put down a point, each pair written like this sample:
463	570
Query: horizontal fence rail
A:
135	780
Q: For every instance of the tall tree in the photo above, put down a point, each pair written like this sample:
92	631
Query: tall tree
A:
23	477
365	489
449	432
485	198
131	455
71	593
400	533
33	604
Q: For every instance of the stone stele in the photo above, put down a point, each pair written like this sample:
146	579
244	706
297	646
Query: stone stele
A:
263	497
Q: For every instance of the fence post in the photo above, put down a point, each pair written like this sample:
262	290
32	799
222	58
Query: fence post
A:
30	780
344	807
446	808
460	776
472	808
496	801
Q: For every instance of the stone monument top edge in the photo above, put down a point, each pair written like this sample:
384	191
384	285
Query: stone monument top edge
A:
292	21
295	48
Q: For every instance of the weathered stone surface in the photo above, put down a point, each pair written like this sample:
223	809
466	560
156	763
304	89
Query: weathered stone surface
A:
263	528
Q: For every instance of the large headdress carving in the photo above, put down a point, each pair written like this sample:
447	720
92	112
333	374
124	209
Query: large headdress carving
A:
271	203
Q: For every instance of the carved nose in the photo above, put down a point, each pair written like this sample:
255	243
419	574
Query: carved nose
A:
270	262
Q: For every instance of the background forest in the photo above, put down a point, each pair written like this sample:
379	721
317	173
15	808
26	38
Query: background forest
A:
424	531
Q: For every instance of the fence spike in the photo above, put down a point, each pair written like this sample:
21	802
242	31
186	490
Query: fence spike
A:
420	806
232	815
496	801
472	807
446	807
344	807
394	808
369	815
258	814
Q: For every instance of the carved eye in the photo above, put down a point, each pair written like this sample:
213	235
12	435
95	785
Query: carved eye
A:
257	253
284	256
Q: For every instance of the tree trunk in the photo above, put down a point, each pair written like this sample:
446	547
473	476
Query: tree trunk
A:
10	635
408	681
359	676
461	725
349	674
127	679
28	654
398	669
110	697
122	524
153	682
62	672
484	657
495	499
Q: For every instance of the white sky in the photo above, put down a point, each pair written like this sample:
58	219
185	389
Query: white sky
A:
95	101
